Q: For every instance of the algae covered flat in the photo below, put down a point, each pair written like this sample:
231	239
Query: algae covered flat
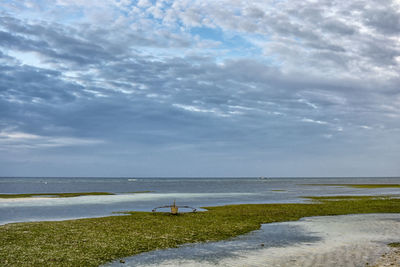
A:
90	242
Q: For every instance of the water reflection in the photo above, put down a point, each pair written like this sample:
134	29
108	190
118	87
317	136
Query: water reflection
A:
270	235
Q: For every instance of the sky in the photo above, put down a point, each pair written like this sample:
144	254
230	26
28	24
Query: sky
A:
179	88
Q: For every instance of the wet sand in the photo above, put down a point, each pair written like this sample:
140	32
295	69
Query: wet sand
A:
392	258
348	240
23	199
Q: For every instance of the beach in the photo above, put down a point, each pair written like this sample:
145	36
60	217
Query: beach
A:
199	133
346	240
392	258
243	222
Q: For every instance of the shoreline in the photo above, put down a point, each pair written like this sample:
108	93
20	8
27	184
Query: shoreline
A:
23	199
95	241
53	195
343	240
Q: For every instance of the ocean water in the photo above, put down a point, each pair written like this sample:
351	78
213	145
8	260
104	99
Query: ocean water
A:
195	192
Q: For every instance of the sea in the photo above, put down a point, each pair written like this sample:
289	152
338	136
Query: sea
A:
144	194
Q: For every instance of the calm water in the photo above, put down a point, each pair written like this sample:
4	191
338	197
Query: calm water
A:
196	192
331	241
211	253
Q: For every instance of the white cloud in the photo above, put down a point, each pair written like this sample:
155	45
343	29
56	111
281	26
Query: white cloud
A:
366	127
13	139
308	103
203	110
16	136
314	121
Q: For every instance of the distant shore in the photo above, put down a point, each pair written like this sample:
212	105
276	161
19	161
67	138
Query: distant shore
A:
60	195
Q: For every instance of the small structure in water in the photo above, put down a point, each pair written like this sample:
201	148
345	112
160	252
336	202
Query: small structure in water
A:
174	208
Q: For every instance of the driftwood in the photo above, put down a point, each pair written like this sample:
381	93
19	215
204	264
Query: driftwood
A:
174	208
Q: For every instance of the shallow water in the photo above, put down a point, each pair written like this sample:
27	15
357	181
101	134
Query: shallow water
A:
196	192
270	235
348	240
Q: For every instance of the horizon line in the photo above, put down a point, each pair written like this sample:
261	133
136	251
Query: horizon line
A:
194	177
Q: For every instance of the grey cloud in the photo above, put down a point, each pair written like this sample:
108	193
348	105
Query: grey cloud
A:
316	30
103	87
26	82
51	43
386	20
381	51
254	12
81	46
86	115
327	46
338	27
18	42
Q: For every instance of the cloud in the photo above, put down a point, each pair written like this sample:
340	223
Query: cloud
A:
253	79
201	110
313	121
385	19
11	141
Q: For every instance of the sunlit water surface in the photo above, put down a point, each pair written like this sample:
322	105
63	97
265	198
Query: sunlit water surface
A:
196	192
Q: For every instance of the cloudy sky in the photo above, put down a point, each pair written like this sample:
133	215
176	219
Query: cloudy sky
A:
199	88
